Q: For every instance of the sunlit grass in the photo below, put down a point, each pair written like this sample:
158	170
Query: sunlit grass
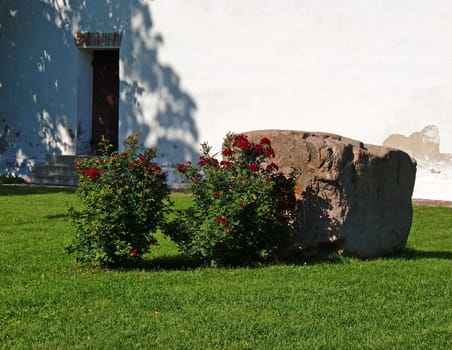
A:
47	301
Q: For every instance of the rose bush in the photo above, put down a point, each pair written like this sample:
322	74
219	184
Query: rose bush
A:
124	198
244	209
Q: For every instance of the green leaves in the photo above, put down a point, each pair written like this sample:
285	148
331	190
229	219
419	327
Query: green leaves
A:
240	214
124	199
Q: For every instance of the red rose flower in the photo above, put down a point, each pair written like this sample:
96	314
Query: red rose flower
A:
134	252
182	168
245	145
152	241
242	142
265	141
269	152
92	173
226	163
227	152
272	166
216	194
253	167
203	161
258	149
156	167
221	220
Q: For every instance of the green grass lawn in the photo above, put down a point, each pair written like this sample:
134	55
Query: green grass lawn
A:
47	301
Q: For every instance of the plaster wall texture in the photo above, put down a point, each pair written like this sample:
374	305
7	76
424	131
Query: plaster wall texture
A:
363	69
46	82
193	70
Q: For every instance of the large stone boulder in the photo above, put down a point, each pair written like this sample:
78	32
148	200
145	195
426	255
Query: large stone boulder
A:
356	198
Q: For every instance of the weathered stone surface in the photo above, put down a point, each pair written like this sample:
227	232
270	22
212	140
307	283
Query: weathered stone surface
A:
422	145
356	197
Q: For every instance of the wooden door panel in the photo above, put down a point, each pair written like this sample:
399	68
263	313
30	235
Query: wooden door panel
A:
105	98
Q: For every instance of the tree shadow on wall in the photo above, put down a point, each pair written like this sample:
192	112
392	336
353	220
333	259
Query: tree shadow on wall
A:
152	99
152	96
33	94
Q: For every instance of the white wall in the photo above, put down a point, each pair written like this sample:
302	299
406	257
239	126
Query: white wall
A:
364	69
192	70
84	100
45	82
36	87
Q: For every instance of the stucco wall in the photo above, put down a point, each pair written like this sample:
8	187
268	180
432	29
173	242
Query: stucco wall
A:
364	69
192	70
37	111
45	82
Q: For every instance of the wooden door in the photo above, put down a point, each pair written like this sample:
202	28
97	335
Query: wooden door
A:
105	98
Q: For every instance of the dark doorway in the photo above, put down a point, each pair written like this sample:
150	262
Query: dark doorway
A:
105	98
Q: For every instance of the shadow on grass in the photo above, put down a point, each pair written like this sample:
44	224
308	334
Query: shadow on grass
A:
178	262
333	258
25	190
174	262
413	254
182	262
58	216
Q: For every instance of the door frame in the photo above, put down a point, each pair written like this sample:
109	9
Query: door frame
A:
86	43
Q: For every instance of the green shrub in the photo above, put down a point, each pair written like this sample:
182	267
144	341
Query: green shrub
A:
124	199
11	180
243	210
